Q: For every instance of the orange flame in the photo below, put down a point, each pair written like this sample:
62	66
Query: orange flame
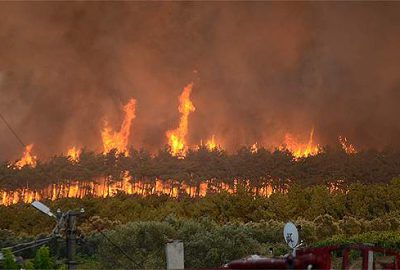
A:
74	153
211	144
119	140
347	146
254	148
299	149
103	189
27	159
177	137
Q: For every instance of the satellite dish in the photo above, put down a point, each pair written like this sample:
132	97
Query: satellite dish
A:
291	235
42	208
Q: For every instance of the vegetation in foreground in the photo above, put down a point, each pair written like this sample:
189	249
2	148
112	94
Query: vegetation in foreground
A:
215	229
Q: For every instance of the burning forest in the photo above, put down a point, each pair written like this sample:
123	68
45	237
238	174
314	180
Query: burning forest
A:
142	129
181	169
270	97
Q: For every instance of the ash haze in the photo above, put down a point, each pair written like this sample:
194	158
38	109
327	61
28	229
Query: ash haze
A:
259	70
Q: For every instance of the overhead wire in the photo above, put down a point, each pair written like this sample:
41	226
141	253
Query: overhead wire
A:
12	130
28	243
31	244
37	242
45	240
115	245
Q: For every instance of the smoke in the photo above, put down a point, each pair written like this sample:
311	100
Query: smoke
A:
259	70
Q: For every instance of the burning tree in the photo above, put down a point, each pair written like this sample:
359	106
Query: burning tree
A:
177	137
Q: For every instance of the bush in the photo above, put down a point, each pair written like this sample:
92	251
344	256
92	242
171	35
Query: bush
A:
42	259
326	226
350	226
9	259
143	241
383	239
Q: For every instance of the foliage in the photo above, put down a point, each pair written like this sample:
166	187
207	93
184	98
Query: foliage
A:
210	244
326	226
222	208
350	226
388	239
28	265
42	259
95	223
9	259
335	198
204	247
7	238
144	242
276	168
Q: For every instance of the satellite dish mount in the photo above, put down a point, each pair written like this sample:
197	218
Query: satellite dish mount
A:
291	236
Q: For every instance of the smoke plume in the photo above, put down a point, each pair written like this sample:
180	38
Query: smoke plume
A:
259	69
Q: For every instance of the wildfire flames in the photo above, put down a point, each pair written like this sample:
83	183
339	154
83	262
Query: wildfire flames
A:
27	158
73	154
300	149
347	147
119	140
211	144
178	147
102	188
254	148
177	137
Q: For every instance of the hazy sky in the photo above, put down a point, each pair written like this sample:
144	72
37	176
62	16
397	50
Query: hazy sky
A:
259	69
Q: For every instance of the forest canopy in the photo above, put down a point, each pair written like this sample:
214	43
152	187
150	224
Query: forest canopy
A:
278	168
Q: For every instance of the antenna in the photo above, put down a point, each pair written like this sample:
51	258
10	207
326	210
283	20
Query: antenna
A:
291	236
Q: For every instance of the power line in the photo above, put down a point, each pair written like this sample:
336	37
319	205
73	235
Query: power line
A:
115	245
39	243
12	130
32	242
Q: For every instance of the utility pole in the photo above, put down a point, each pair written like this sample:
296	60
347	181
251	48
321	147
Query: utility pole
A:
71	237
66	222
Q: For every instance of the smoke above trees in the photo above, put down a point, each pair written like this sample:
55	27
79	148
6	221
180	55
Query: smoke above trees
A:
260	70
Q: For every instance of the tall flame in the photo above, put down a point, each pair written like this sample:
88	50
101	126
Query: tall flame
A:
211	144
74	153
177	137
299	149
27	158
347	146
119	140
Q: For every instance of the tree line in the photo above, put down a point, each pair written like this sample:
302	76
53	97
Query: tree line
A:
277	169
210	226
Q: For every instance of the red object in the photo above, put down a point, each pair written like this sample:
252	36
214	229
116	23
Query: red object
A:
317	258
